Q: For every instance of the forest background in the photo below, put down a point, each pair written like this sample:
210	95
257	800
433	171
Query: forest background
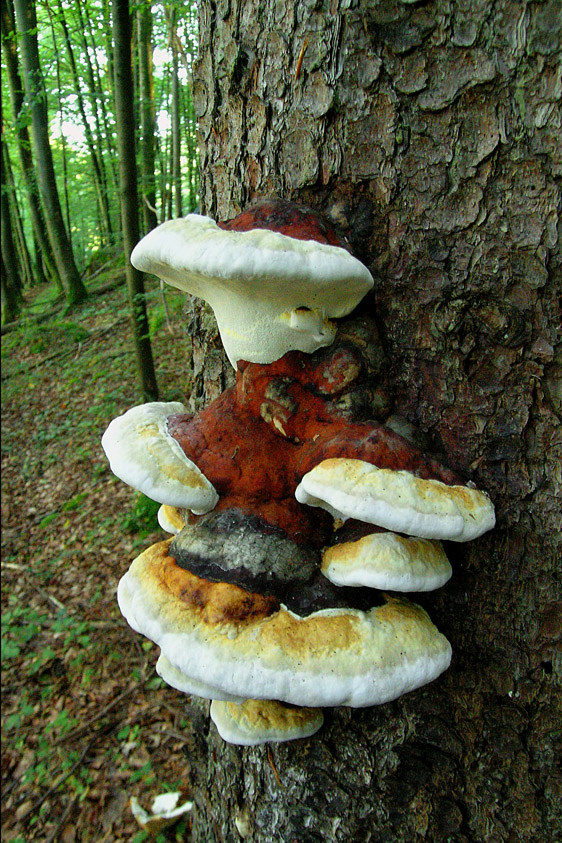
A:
59	63
85	721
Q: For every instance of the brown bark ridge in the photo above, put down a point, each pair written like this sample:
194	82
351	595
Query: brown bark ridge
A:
430	132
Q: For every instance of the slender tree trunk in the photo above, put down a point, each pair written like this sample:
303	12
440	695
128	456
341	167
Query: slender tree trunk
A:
103	141
147	117
192	168
15	86
41	266
98	92
9	188
122	32
110	78
170	184
10	304
98	179
11	277
176	139
166	178
35	92
175	116
62	135
431	134
162	105
187	109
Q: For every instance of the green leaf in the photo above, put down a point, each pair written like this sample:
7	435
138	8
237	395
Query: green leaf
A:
10	650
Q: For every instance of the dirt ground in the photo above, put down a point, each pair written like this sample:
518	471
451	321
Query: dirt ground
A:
86	723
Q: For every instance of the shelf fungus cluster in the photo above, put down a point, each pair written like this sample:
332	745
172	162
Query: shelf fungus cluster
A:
290	521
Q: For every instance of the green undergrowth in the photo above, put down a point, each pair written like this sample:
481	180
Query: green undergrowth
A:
69	530
139	520
71	345
41	338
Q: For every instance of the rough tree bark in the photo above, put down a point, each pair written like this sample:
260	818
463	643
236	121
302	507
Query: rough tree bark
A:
430	132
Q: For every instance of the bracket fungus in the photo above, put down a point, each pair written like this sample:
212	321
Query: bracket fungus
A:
288	515
271	293
263	721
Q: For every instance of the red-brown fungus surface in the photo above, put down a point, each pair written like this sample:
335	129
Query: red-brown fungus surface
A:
258	439
287	218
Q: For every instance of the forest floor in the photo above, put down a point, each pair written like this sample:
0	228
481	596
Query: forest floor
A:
86	722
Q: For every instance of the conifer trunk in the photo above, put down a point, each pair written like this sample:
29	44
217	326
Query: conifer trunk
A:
430	132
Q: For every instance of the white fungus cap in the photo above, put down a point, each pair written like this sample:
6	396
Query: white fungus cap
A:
271	293
329	658
260	721
176	679
142	453
388	562
170	519
397	500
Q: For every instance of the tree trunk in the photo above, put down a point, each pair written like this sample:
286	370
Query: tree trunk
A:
171	14
122	30
430	133
36	95
97	164
15	86
146	97
98	95
9	301
62	136
10	195
110	76
11	278
187	47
